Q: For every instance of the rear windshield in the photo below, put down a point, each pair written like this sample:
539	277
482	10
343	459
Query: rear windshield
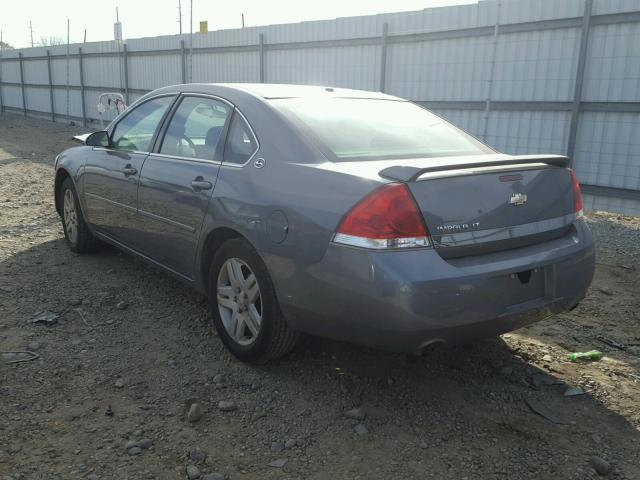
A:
372	129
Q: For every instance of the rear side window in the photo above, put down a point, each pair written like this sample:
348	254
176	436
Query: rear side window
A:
241	144
136	129
195	128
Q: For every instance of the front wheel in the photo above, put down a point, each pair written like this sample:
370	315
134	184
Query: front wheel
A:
245	309
76	232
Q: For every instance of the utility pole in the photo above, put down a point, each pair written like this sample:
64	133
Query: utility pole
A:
31	30
180	15
117	37
191	42
68	38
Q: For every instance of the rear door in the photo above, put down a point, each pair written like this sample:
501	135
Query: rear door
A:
177	181
111	173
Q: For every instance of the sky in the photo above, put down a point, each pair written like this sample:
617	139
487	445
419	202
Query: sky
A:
150	18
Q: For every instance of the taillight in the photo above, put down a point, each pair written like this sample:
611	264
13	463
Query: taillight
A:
386	218
577	194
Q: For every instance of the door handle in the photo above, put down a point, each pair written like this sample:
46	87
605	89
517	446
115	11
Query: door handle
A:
200	184
129	170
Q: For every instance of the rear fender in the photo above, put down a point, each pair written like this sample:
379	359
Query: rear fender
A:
290	219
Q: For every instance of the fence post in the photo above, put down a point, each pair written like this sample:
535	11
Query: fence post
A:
261	57
24	104
182	60
126	73
82	100
50	81
1	63
577	90
383	56
494	52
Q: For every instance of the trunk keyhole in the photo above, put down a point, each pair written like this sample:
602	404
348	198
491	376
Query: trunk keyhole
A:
524	277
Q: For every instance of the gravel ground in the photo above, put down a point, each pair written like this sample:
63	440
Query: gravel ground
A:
131	381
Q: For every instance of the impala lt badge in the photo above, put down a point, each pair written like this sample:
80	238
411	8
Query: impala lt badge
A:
457	227
517	199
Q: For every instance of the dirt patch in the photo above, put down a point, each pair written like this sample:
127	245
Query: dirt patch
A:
130	351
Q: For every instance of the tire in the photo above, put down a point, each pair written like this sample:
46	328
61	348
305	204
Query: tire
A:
76	232
236	308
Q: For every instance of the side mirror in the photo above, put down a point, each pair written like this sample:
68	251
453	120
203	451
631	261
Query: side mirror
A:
98	139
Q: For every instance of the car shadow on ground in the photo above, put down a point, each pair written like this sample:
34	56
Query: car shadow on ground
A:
486	403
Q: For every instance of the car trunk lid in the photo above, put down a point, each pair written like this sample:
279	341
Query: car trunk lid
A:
482	205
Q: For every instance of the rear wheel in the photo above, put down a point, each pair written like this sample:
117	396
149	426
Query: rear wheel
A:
245	309
76	232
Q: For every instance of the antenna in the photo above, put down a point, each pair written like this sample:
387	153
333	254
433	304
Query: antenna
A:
243	20
180	15
31	30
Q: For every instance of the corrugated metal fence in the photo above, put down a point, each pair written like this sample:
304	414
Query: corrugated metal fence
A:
527	76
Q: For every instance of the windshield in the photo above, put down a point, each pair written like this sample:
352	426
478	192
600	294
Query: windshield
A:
371	129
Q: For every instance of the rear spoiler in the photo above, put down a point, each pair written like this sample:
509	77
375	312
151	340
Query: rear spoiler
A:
411	174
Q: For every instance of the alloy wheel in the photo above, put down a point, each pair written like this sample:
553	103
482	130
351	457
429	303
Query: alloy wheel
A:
239	301
70	216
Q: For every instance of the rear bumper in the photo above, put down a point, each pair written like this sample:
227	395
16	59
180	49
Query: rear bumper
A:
405	300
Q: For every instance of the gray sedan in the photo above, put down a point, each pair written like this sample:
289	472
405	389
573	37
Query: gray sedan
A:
347	214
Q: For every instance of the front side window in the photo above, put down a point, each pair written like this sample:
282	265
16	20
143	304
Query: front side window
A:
195	128
241	143
373	129
136	129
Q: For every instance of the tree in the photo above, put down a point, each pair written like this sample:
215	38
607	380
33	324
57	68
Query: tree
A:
50	41
5	46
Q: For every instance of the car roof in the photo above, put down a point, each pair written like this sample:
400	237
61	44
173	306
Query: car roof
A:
270	91
282	90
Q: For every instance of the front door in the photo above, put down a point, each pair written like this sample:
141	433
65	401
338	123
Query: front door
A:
177	182
111	173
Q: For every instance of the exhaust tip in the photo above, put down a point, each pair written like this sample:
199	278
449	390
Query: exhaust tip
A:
430	345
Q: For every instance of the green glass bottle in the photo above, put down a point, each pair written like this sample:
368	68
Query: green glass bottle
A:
592	355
